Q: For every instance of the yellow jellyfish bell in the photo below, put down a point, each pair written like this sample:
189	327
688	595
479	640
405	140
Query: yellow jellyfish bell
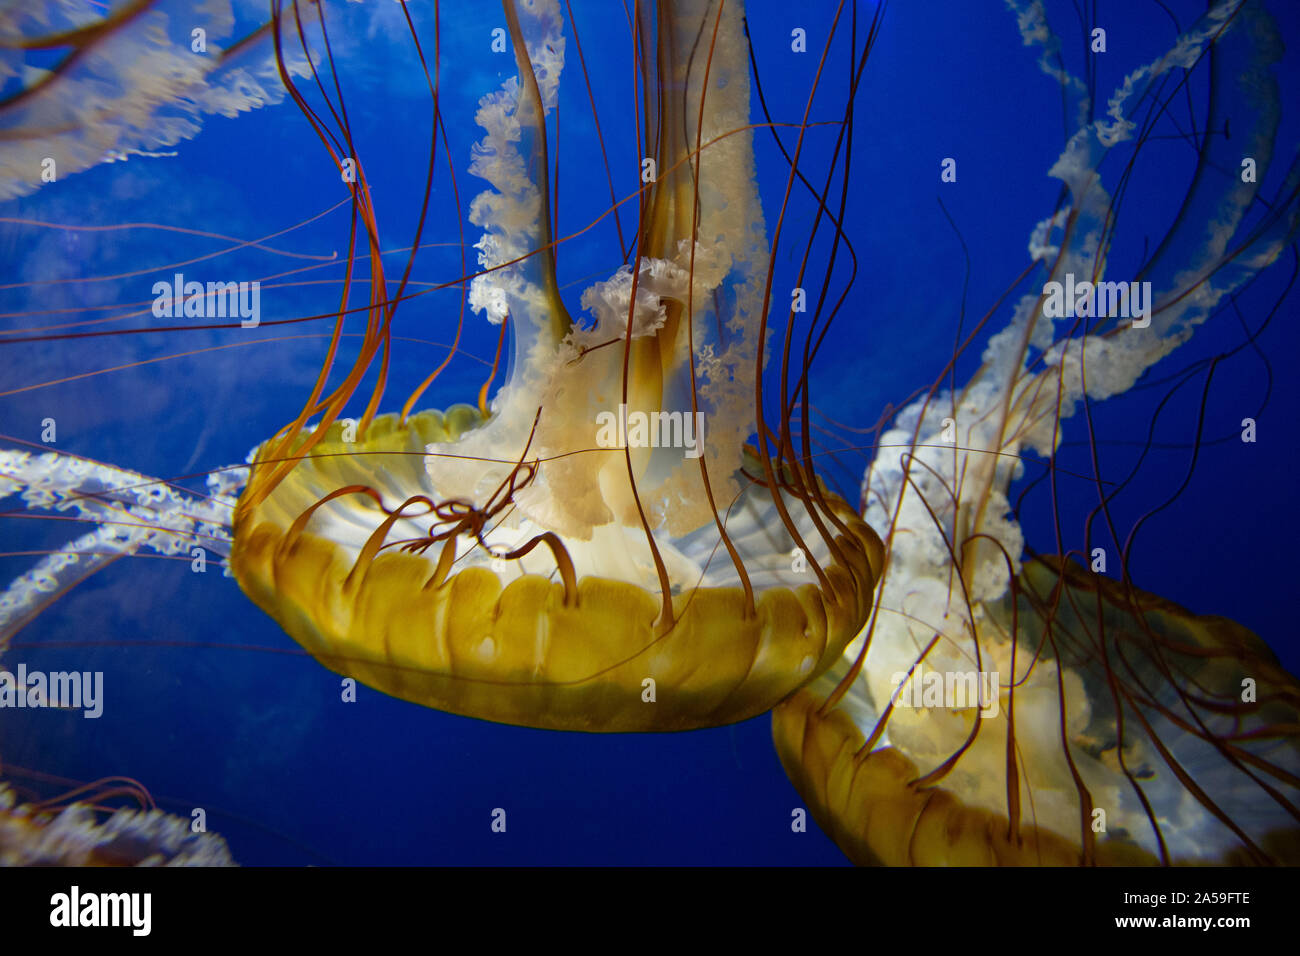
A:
1133	733
599	549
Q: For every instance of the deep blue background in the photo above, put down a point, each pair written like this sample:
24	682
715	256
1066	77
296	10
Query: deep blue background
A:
210	705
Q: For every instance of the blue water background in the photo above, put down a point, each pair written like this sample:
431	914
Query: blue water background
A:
259	737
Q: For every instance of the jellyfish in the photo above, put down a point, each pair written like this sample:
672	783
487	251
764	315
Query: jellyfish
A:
75	834
597	548
1006	706
121	84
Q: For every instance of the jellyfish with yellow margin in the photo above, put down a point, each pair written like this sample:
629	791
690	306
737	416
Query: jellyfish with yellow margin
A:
1005	708
597	549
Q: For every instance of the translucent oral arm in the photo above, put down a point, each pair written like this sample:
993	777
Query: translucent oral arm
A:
131	512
